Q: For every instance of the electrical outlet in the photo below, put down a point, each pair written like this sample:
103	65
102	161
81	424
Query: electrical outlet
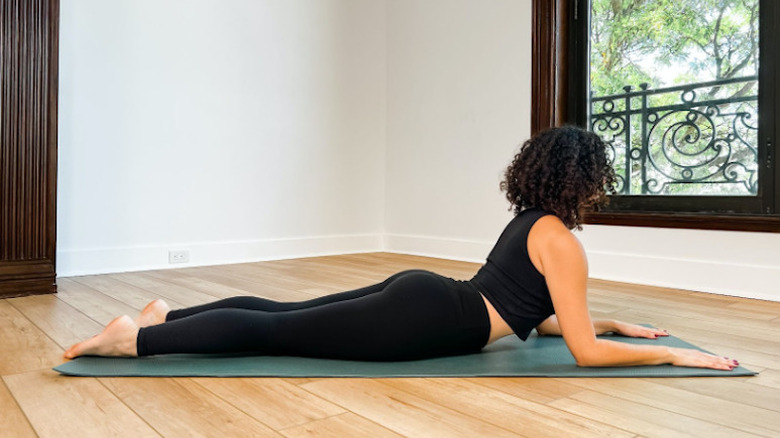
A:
182	256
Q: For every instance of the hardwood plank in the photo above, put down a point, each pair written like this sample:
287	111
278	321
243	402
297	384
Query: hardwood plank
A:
769	378
333	270
645	420
604	304
676	306
736	336
274	402
281	276
735	389
251	287
661	292
13	422
757	307
380	265
451	268
59	321
95	304
181	407
168	291
724	412
340	426
23	346
195	282
401	412
695	318
134	297
659	295
298	381
59	406
537	389
504	410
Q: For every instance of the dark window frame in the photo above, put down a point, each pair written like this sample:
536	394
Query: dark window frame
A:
558	64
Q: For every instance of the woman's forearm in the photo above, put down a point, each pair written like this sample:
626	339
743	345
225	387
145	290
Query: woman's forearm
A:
600	326
605	353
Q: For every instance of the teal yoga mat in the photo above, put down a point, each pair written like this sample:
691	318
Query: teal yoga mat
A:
539	356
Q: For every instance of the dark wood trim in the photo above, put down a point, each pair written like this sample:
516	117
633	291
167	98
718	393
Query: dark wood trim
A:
27	277
769	224
28	146
551	105
548	53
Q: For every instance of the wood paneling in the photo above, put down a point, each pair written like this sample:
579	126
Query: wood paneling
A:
548	55
28	145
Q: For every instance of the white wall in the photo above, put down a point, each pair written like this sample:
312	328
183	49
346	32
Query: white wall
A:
458	87
239	130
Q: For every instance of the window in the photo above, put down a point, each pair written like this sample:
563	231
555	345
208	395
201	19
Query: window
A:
684	93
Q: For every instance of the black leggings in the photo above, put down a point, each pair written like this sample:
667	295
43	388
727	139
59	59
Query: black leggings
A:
411	315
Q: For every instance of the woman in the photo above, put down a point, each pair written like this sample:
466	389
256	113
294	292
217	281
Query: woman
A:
535	277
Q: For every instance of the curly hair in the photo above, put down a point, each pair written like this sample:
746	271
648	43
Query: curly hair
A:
563	171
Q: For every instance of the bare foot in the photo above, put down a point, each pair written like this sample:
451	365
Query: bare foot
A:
154	313
117	339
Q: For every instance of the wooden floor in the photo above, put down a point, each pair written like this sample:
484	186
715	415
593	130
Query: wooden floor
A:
34	400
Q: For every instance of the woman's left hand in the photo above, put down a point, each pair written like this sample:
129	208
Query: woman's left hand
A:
638	331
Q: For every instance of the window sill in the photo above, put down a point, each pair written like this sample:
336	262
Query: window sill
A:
770	224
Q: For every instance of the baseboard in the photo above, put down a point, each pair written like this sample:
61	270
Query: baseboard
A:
21	288
140	258
734	279
26	277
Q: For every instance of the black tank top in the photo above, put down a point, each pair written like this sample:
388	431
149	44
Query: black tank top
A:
511	282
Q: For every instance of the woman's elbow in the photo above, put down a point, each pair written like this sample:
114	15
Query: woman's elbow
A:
585	362
586	359
582	361
586	352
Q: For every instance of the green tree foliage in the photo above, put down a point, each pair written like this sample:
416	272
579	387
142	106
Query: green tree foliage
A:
642	41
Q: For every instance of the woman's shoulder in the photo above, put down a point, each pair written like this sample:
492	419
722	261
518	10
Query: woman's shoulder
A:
549	237
550	226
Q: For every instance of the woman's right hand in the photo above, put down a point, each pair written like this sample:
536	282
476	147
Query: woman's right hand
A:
686	357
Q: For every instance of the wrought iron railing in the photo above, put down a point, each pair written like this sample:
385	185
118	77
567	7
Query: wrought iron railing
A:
692	139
